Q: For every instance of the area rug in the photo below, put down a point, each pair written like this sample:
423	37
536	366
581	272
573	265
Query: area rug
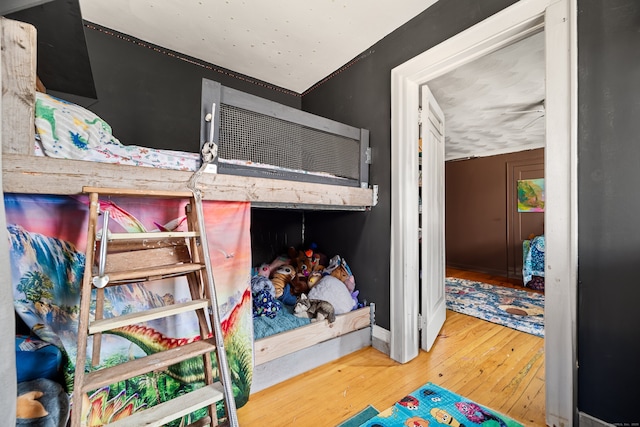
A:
434	405
515	308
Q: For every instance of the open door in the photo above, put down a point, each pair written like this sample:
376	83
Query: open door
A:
433	302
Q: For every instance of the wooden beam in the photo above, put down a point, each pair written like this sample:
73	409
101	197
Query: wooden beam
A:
18	43
278	345
45	175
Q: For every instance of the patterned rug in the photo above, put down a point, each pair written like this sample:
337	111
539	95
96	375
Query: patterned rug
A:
434	405
515	308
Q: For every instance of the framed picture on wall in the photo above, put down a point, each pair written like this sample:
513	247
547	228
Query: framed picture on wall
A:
531	195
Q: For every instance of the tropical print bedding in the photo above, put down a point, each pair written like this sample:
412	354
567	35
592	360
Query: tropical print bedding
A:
69	131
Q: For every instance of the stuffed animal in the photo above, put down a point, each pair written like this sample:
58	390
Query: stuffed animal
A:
314	309
334	291
339	269
281	277
299	284
287	296
320	259
267	270
27	405
300	261
260	283
313	279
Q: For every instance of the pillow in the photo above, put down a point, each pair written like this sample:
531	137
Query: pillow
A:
36	359
67	130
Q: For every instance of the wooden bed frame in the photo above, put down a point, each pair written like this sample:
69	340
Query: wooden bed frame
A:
23	172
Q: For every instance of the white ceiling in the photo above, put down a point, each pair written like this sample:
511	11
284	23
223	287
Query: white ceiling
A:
288	43
495	104
294	44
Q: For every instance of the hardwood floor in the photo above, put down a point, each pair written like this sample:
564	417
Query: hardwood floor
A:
495	366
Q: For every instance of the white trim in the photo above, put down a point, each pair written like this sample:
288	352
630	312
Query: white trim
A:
380	339
511	24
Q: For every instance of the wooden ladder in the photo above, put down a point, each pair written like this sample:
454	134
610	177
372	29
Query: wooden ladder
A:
114	259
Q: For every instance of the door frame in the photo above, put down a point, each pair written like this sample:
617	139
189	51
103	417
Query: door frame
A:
523	18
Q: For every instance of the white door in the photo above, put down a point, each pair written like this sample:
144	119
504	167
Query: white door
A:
433	302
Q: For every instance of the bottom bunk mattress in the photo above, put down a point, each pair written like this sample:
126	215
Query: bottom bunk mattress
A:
283	320
47	237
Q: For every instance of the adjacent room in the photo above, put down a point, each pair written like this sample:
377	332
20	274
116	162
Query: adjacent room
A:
494	184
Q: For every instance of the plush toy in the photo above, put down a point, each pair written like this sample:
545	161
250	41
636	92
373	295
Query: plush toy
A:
27	405
267	270
314	309
300	261
313	278
260	283
287	296
319	259
281	277
339	269
300	284
334	291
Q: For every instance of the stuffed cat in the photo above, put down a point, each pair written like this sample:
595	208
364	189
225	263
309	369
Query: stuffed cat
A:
314	309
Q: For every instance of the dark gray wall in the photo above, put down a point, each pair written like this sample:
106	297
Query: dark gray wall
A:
608	206
608	175
361	96
151	96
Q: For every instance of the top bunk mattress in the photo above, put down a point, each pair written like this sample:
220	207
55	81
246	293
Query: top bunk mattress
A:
252	140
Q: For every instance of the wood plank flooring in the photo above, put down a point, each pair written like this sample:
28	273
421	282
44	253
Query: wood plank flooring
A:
493	365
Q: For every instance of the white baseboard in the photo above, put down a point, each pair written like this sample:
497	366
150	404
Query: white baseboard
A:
381	339
589	421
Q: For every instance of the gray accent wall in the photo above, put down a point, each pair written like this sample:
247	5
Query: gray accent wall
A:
608	206
608	178
361	96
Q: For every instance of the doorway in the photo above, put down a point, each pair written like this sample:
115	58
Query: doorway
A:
516	22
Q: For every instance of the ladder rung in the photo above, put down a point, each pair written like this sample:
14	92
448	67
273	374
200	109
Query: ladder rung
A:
137	192
149	235
145	316
168	411
156	272
143	365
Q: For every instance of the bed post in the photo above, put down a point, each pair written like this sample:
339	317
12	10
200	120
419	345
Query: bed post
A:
7	354
19	85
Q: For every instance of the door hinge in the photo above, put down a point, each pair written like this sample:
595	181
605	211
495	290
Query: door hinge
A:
419	115
419	321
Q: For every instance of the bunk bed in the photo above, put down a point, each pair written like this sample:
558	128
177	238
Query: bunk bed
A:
26	171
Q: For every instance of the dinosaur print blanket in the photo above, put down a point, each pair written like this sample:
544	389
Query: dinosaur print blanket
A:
47	236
